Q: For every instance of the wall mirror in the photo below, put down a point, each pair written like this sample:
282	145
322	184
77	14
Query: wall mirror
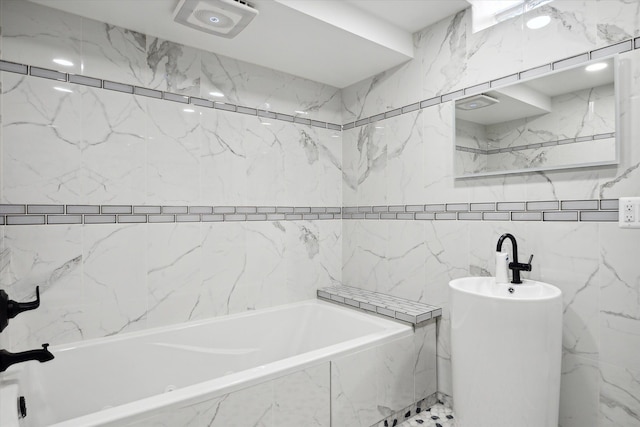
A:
564	119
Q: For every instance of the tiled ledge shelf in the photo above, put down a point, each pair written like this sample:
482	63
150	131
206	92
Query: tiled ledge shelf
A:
596	210
394	307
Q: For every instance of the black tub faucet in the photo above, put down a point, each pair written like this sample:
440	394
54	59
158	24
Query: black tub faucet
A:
10	309
515	266
7	359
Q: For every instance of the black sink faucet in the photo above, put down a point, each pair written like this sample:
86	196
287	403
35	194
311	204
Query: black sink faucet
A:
515	266
7	359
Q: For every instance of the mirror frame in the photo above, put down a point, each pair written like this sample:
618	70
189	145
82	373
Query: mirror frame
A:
618	101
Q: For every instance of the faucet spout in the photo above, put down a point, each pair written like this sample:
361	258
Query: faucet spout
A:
515	266
7	358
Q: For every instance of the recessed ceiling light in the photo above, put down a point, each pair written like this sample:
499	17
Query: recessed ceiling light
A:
596	67
217	94
63	89
63	62
189	110
538	22
266	123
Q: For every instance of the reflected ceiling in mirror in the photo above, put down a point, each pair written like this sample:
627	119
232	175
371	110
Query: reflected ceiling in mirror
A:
563	119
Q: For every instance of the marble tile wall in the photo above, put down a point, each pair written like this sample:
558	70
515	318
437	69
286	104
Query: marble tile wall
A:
594	264
72	144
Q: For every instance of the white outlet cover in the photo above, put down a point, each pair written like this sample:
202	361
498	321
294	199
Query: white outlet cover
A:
629	212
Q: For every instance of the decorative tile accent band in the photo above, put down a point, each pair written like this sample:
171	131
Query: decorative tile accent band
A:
621	47
34	71
596	210
387	305
40	214
585	138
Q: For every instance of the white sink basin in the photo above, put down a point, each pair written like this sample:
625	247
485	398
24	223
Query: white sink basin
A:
528	290
505	352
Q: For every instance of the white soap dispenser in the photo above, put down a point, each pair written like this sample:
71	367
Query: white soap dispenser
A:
502	267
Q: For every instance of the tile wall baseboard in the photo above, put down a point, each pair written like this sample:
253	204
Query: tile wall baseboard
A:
595	210
13	67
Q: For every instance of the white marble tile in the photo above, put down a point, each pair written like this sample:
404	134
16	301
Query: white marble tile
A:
224	261
223	158
353	390
439	183
254	86
406	151
188	416
619	391
49	257
266	152
174	67
114	53
406	252
366	265
41	144
115	279
572	31
173	262
620	292
617	20
113	147
370	174
578	392
350	166
304	270
442	51
426	375
565	255
330	256
54	325
252	406
303	398
36	35
313	162
395	376
173	153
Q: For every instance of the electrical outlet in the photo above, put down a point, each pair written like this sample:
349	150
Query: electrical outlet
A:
629	212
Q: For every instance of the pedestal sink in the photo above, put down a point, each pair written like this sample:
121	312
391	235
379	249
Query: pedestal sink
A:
505	351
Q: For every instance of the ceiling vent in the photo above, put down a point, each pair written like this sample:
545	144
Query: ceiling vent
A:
224	18
475	102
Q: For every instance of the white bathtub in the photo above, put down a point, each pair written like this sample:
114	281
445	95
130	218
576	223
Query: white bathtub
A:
122	379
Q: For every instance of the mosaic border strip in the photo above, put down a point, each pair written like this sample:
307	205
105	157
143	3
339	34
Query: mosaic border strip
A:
129	214
621	47
596	210
13	67
390	306
585	138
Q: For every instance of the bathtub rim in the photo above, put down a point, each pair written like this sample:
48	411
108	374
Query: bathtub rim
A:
204	391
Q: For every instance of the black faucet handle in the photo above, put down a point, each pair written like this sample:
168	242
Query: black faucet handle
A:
15	308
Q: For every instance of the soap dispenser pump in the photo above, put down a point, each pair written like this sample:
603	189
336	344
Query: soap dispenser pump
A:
502	267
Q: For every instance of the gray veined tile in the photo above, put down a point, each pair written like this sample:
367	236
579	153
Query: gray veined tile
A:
446	215
201	102
365	209
85	81
175	209
310	216
146	209
612	50
235	217
470	216
188	218
256	217
600	216
387	215
25	219
200	209
161	218
150	93
114	209
132	219
511	206
224	209
414	208
118	87
371	216
569	62
560	216
482	206
435	208
533	72
496	216
609	204
393	113
182	99
425	216
246	209
13	209
457	207
212	217
266	209
357	216
99	219
13	67
47	74
405	216
579	205
526	216
318	210
451	95
430	102
301	210
45	209
284	209
396	208
505	80
543	206
410	107
64	219
83	209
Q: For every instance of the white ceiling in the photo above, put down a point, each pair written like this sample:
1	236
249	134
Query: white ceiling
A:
336	42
